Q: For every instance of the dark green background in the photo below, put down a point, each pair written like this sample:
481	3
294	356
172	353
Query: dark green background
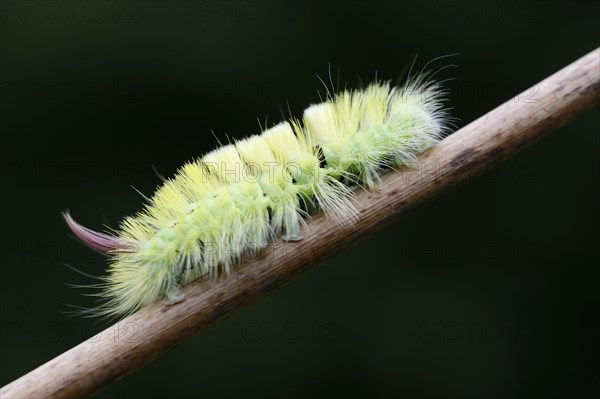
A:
489	292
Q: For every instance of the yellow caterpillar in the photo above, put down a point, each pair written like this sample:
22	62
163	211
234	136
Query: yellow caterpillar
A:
234	200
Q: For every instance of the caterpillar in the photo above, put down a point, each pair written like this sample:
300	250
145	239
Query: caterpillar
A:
231	202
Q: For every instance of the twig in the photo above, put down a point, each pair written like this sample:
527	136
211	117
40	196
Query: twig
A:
148	334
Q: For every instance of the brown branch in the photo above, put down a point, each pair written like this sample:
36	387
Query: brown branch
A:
154	330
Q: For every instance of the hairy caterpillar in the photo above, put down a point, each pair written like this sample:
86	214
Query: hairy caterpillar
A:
233	201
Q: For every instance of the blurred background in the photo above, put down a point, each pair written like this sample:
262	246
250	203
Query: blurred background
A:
488	292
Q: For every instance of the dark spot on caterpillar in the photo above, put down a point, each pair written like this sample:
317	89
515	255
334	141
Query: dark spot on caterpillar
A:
321	155
179	278
349	181
294	181
303	206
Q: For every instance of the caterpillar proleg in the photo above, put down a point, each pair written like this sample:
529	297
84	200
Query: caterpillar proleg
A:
231	202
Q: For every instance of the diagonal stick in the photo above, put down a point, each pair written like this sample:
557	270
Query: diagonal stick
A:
149	333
